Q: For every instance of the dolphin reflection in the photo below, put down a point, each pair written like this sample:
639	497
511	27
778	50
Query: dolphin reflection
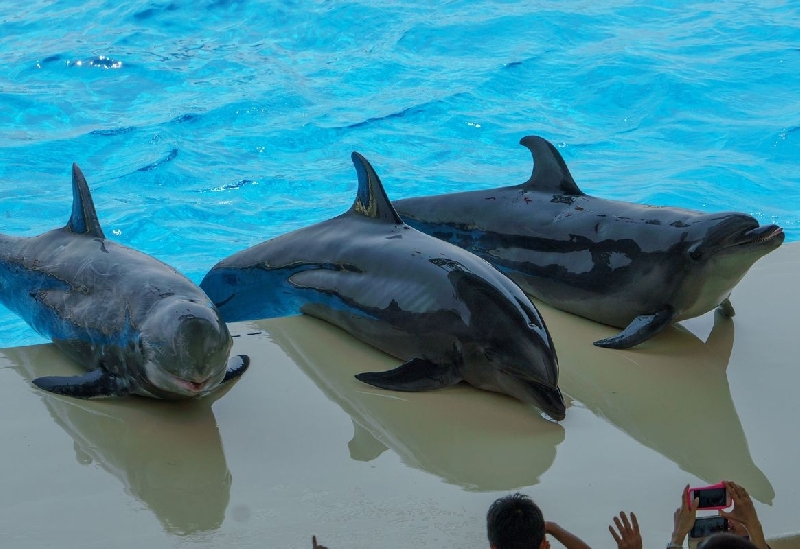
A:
671	395
166	454
474	439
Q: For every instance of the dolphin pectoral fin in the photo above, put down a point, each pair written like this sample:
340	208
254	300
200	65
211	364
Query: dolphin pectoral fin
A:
95	384
417	374
642	328
725	308
236	367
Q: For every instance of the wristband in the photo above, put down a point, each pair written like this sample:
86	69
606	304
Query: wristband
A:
671	545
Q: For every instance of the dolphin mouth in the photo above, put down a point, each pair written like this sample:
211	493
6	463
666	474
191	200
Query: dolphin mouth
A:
193	387
760	235
177	385
550	400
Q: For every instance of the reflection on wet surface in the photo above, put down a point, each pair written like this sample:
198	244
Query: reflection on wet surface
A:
670	394
487	444
166	454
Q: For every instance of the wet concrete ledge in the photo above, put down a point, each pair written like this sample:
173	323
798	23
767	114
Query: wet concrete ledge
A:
298	446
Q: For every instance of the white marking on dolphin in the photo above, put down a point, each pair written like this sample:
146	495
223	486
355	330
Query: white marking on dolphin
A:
449	315
135	323
633	266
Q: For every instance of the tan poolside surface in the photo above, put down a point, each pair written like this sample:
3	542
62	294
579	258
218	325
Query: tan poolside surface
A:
298	446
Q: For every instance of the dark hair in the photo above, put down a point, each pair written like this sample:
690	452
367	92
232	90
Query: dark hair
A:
515	522
725	540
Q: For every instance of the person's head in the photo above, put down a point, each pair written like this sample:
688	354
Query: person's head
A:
725	540
515	522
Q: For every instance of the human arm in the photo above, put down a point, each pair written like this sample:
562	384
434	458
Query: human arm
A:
564	537
744	512
683	519
628	536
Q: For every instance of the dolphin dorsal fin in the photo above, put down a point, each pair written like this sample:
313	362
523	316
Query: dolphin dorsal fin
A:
83	219
371	199
550	172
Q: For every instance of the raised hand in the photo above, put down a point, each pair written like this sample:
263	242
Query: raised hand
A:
744	512
683	519
627	534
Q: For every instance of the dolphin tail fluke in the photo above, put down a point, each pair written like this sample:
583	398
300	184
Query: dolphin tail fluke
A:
84	217
95	384
237	365
642	328
726	309
415	375
371	199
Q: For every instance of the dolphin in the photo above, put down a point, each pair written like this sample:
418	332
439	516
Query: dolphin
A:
449	315
632	266
136	324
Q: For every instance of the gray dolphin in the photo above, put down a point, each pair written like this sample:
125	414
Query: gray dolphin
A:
135	323
628	265
447	313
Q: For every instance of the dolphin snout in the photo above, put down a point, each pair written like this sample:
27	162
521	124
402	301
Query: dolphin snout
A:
193	387
550	400
763	234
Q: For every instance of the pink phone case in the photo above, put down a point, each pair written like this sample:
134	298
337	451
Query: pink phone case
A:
690	496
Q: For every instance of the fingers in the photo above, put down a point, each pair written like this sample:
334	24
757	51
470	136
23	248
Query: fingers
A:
685	497
314	542
737	492
625	520
614	535
627	531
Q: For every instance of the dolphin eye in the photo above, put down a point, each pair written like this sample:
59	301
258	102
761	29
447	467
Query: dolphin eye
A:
696	255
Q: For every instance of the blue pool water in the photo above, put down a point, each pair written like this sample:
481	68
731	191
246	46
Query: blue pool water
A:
205	127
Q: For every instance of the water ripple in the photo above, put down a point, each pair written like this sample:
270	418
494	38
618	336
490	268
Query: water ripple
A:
152	166
684	104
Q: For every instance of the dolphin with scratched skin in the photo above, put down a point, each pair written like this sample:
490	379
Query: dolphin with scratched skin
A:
136	324
449	315
627	265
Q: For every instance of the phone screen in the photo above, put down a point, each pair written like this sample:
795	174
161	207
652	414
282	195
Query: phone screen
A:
712	497
708	525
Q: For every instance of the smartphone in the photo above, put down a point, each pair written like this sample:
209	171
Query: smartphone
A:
706	526
711	497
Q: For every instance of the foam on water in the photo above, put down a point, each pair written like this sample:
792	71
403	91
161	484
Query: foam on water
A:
206	127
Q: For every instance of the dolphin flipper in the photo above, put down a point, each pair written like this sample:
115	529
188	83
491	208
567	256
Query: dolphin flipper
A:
95	384
641	328
417	374
236	367
725	308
